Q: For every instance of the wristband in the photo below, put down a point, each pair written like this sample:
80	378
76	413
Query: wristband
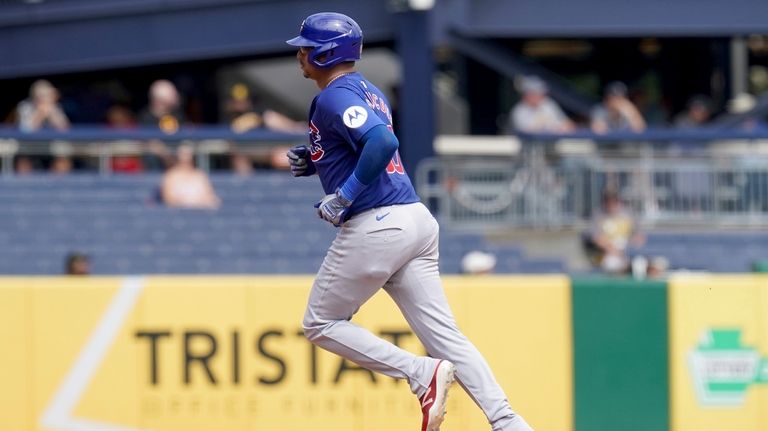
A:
352	188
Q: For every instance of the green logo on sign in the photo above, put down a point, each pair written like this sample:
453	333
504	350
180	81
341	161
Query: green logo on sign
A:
723	369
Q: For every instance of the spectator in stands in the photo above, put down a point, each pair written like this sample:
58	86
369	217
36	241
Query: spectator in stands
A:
42	109
239	110
741	105
61	165
163	110
77	263
243	113
617	112
24	165
697	113
536	112
242	165
120	117
658	267
164	113
612	232
185	186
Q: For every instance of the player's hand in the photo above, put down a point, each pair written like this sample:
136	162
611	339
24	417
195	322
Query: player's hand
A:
300	162
332	208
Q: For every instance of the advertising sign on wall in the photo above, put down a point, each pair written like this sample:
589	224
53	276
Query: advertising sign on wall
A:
718	351
228	353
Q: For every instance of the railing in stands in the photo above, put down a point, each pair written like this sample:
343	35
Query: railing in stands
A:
664	176
99	145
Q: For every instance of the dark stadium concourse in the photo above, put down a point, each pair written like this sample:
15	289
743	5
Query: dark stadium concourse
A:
478	46
662	73
40	37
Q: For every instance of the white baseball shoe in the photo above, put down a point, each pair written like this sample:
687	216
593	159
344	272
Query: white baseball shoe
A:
433	402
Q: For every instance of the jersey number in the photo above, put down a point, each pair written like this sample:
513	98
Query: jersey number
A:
395	166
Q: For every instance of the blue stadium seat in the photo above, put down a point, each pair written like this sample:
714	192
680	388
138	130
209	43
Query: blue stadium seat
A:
710	251
265	225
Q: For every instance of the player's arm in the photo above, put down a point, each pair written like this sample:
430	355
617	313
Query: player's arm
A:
379	146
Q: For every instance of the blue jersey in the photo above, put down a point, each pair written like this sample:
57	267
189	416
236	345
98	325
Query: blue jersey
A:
340	115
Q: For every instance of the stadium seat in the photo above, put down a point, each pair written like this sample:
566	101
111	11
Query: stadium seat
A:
266	224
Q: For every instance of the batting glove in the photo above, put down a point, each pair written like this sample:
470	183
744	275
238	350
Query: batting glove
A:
332	208
299	159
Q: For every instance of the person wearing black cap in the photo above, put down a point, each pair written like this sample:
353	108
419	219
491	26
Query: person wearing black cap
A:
698	113
77	263
617	112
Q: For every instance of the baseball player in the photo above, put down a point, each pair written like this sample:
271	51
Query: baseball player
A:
387	238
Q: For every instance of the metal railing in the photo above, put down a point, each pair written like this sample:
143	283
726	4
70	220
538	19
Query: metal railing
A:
720	178
97	146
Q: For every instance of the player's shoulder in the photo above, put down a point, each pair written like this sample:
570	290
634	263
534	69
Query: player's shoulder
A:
337	98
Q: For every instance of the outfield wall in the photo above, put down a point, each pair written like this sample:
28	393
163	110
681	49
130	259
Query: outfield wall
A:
718	330
620	355
226	353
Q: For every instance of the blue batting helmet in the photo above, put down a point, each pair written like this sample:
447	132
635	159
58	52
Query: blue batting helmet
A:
334	37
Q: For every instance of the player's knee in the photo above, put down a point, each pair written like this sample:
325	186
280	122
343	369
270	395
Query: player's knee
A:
313	329
311	332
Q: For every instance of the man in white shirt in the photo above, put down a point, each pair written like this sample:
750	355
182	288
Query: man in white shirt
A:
42	110
536	112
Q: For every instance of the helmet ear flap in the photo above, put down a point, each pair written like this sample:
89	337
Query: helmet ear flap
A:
321	59
326	54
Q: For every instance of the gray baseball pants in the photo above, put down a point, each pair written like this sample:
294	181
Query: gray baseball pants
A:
396	247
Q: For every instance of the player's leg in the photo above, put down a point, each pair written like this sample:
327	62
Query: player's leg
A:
419	294
354	269
424	306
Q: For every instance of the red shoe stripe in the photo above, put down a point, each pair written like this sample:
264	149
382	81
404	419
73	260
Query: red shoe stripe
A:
430	389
